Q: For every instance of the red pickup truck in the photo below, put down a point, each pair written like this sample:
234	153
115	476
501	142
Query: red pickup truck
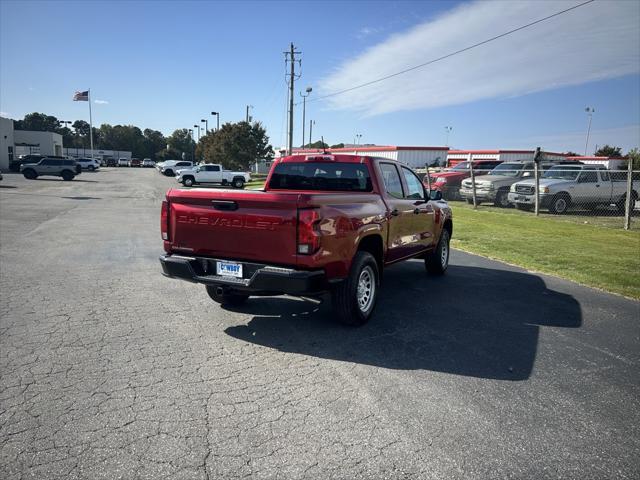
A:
323	223
449	181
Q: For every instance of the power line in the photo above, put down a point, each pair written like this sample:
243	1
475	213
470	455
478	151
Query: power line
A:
475	45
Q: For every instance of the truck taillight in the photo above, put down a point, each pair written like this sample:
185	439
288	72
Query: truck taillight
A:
308	232
164	220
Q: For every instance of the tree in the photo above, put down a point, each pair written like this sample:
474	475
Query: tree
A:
235	145
319	144
181	142
338	145
634	158
154	142
609	151
571	154
38	122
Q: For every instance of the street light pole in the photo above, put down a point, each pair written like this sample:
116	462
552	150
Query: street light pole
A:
198	127
448	130
356	139
311	124
206	126
304	111
590	111
217	114
193	157
248	117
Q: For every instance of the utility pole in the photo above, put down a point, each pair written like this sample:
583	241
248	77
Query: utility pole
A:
290	56
311	124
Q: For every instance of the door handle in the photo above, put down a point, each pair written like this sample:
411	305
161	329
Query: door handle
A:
395	212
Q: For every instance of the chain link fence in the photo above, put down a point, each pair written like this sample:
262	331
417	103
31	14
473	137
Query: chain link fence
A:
601	196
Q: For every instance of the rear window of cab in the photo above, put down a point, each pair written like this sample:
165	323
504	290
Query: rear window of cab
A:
327	176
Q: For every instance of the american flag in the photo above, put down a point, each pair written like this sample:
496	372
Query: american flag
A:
81	96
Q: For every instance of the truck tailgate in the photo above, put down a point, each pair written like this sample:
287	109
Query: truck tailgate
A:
242	225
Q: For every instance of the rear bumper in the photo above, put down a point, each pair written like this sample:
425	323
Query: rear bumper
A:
257	278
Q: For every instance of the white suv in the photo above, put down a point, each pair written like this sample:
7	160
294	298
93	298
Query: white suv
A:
90	164
123	162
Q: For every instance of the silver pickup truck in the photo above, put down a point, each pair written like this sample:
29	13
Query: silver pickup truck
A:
564	185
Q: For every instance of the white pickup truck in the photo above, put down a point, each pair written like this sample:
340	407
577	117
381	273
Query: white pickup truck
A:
564	185
211	173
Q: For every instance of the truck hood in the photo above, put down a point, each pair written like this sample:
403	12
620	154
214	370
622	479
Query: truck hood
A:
496	180
545	182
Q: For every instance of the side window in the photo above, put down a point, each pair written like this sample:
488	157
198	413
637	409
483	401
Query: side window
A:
604	175
414	187
215	168
391	179
588	177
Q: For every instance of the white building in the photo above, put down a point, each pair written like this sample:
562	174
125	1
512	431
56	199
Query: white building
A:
608	162
99	155
415	157
6	142
456	156
42	143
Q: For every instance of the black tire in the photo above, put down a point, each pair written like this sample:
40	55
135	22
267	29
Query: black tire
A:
91	168
67	176
188	181
224	183
502	199
560	204
168	173
30	174
621	205
351	304
437	261
238	182
227	298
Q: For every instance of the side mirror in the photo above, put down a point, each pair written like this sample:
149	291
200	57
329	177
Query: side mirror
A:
435	195
526	174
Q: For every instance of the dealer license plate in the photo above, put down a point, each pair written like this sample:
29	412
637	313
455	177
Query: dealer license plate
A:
229	269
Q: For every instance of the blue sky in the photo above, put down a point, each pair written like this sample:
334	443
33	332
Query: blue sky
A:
166	65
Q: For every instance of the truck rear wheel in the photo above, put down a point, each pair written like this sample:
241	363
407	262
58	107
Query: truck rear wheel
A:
437	261
238	182
226	297
187	181
67	176
355	297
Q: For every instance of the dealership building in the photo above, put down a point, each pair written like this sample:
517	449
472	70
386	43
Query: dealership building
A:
100	155
14	143
456	156
415	157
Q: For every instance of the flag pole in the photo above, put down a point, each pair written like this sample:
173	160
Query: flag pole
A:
90	125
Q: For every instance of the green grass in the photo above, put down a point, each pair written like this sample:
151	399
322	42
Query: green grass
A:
591	250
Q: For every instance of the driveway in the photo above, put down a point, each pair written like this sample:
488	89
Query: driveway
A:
109	370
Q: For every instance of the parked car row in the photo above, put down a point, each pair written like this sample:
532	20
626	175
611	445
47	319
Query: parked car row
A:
562	184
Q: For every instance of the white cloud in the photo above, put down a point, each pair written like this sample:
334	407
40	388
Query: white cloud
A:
594	42
101	102
627	137
4	114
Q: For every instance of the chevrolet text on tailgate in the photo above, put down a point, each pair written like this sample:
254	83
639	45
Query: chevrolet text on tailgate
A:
323	223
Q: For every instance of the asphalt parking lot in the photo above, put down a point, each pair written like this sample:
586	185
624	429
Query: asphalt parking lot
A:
110	370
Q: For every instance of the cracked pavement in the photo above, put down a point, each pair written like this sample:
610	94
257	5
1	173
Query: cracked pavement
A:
110	370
